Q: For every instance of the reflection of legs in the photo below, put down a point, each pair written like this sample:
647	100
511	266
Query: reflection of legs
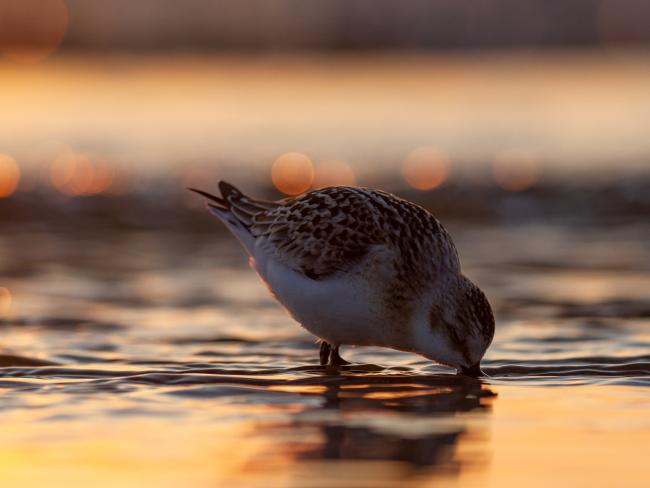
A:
330	355
325	349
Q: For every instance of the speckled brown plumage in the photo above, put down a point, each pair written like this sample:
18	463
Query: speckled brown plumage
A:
323	231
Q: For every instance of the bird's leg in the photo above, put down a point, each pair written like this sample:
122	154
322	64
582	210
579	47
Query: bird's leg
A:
335	358
325	350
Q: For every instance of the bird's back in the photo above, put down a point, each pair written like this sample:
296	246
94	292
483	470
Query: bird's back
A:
324	231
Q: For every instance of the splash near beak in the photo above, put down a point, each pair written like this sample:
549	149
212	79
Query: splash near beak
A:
474	371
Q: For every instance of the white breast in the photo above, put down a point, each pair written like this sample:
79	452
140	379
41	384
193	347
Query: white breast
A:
342	309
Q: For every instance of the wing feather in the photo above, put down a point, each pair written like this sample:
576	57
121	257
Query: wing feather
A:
325	231
320	233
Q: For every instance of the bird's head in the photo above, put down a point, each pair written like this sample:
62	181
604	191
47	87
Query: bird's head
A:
464	325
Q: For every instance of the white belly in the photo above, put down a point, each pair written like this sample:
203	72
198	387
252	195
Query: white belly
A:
340	310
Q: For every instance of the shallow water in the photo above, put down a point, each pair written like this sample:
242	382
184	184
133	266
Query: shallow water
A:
158	359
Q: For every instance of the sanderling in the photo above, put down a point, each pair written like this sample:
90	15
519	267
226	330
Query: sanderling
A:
361	267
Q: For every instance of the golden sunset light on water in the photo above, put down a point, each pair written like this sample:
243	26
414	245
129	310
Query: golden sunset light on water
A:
9	175
292	173
31	30
425	168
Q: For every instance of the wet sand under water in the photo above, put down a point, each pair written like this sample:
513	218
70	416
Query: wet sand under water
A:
147	360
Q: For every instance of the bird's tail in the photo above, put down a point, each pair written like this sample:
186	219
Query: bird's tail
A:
234	204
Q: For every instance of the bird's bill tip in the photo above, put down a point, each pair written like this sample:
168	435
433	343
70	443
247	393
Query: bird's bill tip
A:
473	371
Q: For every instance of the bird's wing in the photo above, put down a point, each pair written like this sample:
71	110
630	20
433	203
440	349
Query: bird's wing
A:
322	232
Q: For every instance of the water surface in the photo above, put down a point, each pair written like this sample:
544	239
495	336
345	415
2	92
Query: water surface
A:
144	358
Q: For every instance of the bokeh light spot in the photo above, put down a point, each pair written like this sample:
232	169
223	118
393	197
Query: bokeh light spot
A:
5	301
515	170
333	173
31	30
78	174
9	175
425	168
292	173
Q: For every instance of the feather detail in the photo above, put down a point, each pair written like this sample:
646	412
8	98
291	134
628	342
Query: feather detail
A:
324	231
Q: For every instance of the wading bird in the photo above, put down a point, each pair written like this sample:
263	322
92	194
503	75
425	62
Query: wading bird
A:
356	266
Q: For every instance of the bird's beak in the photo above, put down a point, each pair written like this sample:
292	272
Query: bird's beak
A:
474	371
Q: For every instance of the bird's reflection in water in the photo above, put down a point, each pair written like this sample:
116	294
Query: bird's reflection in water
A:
412	423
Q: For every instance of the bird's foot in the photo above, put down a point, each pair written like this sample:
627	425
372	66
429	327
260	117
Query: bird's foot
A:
329	356
336	359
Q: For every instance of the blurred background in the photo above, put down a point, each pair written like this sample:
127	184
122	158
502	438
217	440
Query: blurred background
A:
137	348
121	101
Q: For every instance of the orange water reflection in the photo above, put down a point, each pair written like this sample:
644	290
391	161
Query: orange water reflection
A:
575	436
305	438
529	438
